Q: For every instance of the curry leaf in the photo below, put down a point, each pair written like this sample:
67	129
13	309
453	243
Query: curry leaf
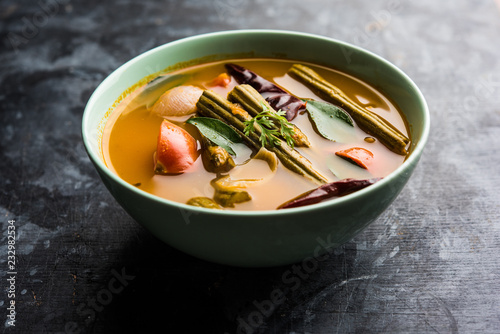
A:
217	132
330	120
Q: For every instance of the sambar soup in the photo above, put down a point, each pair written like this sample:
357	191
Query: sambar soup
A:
254	134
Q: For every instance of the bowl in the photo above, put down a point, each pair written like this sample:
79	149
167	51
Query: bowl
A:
260	238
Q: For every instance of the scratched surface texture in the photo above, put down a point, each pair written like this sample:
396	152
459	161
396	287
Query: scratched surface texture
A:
429	264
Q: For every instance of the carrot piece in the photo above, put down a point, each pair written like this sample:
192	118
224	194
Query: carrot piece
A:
222	80
357	155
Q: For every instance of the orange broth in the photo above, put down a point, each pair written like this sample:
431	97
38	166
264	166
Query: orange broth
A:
130	138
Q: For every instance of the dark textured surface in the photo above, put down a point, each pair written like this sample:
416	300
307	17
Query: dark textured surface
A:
430	264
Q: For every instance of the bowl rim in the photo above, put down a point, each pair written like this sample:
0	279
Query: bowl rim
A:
412	158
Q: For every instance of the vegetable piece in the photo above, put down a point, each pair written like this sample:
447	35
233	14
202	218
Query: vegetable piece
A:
328	191
255	171
343	168
217	132
368	121
269	157
229	198
176	150
278	125
204	202
357	155
213	105
222	80
215	158
229	192
178	101
155	88
277	97
225	183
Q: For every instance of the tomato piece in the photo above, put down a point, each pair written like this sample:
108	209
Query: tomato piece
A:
176	151
357	155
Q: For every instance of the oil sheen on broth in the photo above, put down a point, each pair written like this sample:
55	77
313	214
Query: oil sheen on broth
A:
130	138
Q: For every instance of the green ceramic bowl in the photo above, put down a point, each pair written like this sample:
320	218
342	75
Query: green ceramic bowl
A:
262	238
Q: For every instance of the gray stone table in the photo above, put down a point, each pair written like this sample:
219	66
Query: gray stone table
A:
429	264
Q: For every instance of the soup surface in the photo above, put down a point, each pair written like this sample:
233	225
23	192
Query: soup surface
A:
131	133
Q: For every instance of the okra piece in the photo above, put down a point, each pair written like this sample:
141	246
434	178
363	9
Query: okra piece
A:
213	105
368	121
252	101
